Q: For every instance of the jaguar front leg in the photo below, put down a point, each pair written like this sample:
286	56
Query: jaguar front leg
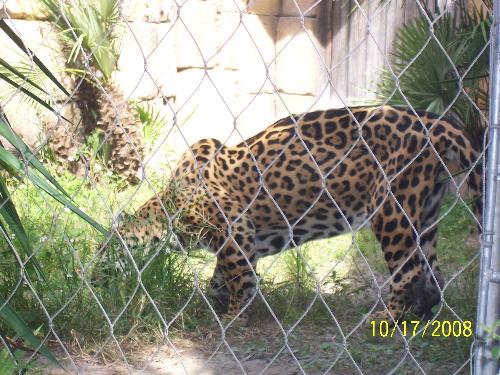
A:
218	292
231	236
236	262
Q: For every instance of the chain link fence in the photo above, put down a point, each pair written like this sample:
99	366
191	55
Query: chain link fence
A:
132	85
488	304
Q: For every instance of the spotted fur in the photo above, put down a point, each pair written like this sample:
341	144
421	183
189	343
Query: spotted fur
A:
317	175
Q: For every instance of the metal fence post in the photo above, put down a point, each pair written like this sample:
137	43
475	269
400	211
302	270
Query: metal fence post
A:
489	285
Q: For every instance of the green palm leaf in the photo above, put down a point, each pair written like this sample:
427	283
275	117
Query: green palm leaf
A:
8	315
19	170
20	75
432	66
15	38
87	25
9	134
9	215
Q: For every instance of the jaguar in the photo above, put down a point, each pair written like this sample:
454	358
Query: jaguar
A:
317	175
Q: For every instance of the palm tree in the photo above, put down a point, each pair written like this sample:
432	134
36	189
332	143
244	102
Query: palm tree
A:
87	31
433	66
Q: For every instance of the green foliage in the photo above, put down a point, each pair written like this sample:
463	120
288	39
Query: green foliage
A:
20	256
494	335
289	285
12	364
97	152
7	363
19	43
431	65
67	250
36	172
22	78
88	25
152	123
164	274
16	238
150	277
296	271
29	77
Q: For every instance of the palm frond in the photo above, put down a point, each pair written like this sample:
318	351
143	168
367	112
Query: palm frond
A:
87	26
446	67
152	122
9	315
17	40
29	77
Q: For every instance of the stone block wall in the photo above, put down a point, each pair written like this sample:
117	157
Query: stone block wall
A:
225	69
241	65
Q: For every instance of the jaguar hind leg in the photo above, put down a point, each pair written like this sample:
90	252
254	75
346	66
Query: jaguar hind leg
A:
428	294
406	263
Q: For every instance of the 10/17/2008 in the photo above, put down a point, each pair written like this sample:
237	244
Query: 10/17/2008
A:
435	328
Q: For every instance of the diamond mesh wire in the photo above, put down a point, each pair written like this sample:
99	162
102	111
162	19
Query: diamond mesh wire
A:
238	67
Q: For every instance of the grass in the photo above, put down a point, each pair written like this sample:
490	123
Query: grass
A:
65	247
171	301
8	367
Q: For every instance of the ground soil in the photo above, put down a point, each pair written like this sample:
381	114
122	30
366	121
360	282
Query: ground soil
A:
206	357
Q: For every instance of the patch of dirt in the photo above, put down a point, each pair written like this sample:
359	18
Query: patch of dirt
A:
257	350
182	361
187	362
